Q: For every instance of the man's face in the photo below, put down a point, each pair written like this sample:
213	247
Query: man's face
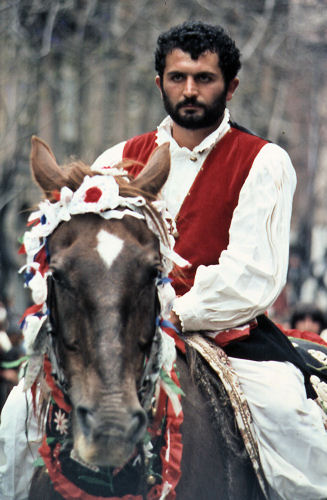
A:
193	91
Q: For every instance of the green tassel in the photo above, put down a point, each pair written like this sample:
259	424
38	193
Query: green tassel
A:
166	378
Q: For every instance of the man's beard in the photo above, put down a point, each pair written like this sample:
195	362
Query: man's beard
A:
192	120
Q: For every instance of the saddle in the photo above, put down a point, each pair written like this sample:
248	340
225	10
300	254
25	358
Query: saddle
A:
315	357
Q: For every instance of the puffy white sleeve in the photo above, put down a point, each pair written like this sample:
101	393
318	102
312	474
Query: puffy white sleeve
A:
109	158
18	451
252	271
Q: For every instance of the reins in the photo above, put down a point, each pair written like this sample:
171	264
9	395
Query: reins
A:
51	326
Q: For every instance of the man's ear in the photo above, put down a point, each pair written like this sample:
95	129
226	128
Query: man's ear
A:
231	88
158	83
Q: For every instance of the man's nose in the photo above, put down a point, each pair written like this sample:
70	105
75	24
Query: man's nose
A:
190	87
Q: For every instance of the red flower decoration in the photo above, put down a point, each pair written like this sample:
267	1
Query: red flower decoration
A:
56	195
93	195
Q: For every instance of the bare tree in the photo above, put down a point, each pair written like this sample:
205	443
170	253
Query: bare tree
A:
79	73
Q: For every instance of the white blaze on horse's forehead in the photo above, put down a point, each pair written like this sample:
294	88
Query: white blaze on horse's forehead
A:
109	247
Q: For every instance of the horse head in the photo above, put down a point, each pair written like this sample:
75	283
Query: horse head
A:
102	297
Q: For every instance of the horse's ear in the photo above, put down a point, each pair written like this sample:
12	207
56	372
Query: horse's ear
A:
155	173
47	173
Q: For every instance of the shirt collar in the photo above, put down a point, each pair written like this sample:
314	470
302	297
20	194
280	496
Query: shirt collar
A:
165	127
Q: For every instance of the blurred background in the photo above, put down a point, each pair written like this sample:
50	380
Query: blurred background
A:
80	74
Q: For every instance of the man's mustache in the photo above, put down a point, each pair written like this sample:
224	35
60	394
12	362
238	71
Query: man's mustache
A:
189	101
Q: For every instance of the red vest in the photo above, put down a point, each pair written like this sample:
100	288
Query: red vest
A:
205	216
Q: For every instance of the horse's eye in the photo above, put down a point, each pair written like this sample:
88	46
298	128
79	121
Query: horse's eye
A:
145	345
72	345
56	275
154	273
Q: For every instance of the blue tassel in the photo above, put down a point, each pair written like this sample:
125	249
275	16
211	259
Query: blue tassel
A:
169	324
27	277
47	252
164	280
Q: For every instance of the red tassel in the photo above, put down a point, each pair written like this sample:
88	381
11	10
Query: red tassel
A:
34	221
31	310
22	250
55	391
41	258
33	391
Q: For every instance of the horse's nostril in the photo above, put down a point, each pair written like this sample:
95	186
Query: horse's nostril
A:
138	425
92	425
85	418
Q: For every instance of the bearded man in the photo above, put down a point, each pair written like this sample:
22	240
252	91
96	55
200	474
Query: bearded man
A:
230	193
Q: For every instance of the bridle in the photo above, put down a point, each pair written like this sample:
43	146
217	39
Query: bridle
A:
98	194
152	361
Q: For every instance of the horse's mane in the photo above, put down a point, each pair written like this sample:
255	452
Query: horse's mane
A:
222	415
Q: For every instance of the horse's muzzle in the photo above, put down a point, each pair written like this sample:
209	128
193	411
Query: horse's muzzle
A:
108	440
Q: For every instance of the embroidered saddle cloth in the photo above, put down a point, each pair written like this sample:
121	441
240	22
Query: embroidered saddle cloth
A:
315	356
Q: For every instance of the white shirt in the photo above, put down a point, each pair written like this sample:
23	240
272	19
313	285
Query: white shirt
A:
252	271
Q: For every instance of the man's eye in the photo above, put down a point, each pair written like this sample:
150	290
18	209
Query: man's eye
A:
204	78
177	78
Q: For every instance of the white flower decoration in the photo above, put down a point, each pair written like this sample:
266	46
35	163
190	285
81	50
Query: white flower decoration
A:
320	387
319	355
61	422
96	194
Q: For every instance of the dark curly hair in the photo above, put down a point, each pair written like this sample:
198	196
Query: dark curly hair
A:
195	38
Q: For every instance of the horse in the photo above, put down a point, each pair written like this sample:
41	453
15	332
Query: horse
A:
101	343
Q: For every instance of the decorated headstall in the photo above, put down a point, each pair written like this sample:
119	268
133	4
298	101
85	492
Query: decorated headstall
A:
98	194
